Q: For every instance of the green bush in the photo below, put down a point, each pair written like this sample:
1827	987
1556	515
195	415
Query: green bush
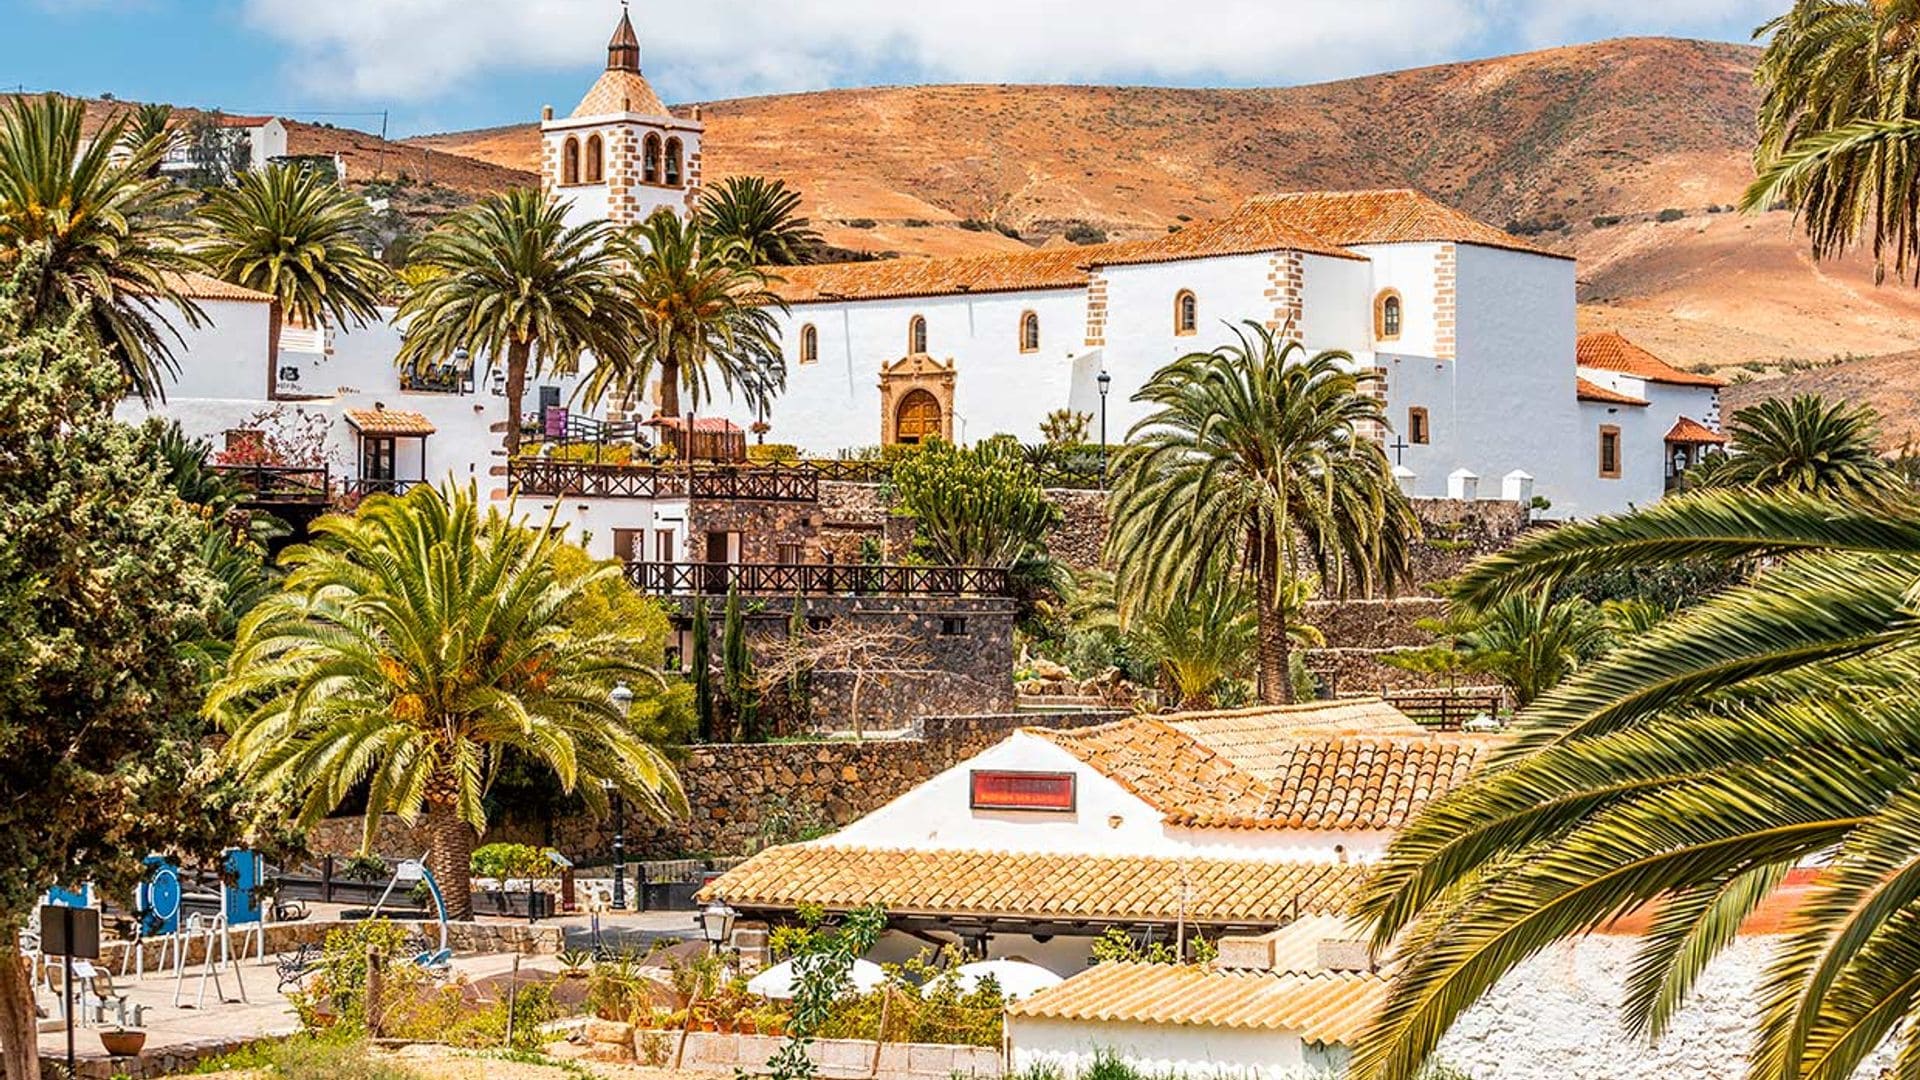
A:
1082	233
773	454
309	1057
977	506
1606	221
503	861
1671	213
335	996
861	223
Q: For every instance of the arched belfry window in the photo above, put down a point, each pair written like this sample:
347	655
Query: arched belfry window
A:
809	344
1387	316
1186	313
650	161
917	335
596	160
1030	332
570	162
673	163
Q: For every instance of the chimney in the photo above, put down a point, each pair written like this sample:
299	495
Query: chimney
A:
546	112
1344	956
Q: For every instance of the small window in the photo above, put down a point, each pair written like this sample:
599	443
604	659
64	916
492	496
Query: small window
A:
596	160
998	790
1029	332
673	162
953	626
917	335
1186	313
1610	452
809	344
1417	426
570	162
1386	316
629	544
650	161
791	554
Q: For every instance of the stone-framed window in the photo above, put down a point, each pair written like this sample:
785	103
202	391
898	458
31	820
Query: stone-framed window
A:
570	161
596	165
1609	452
809	344
1387	315
674	154
1186	313
1419	429
650	161
1029	332
917	336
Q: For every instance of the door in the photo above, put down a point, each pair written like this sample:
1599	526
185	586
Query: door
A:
377	462
917	418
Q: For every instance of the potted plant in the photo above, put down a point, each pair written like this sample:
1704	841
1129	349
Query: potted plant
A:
122	1042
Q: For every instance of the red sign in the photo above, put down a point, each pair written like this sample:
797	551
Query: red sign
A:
1022	790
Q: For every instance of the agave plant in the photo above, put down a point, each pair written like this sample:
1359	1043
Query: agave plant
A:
1762	728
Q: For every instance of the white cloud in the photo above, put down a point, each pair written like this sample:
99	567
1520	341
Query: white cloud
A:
419	50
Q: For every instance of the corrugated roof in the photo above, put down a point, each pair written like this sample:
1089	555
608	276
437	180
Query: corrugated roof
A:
1395	216
1593	391
1688	430
1606	350
621	91
1294	949
390	422
1036	885
1324	1008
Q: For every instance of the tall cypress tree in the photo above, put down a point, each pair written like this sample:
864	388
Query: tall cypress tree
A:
797	682
737	668
702	663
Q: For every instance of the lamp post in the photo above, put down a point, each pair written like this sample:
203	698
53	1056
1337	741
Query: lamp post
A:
1106	383
716	923
622	699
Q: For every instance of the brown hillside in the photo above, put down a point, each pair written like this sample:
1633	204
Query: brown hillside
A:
1886	383
1547	140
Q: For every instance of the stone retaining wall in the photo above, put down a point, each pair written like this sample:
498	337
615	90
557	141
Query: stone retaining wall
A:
170	1060
1375	624
463	938
737	790
1082	532
1360	671
836	1059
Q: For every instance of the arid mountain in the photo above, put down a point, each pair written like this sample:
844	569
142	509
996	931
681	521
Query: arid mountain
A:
1561	141
1885	383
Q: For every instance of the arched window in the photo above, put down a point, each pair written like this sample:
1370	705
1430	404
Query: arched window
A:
1418	431
809	345
596	160
1386	316
650	161
1186	313
916	335
1030	332
570	162
673	162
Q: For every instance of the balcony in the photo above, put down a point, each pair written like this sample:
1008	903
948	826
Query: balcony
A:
265	487
586	479
828	579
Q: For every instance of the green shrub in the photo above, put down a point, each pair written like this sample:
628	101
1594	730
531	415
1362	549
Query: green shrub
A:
1008	231
1083	233
309	1057
335	996
1606	221
503	861
773	454
1671	213
977	506
861	223
976	225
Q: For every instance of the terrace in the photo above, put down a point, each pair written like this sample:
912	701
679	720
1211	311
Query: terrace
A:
810	579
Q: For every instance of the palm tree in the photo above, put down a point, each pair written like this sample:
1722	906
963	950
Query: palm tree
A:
1532	643
1202	637
1256	450
410	647
111	243
1841	93
762	215
508	277
1804	444
1766	726
288	232
703	310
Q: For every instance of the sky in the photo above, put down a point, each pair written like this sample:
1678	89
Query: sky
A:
441	65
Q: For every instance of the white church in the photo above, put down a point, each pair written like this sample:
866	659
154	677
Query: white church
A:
1491	392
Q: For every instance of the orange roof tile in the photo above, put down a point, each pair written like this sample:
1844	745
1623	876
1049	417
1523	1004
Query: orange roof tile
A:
390	422
1294	949
1398	216
1168	769
1036	885
199	286
1688	430
1245	735
620	91
1592	391
1606	350
1324	1008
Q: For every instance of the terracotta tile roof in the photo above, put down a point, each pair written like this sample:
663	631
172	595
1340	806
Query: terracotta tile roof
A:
1324	1008
1294	949
1245	231
1046	268
206	287
700	423
618	91
1239	733
243	121
1311	781
1398	216
389	422
1688	430
1036	885
1592	391
1606	350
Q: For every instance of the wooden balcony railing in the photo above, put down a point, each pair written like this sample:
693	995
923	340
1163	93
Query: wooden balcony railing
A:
267	485
585	479
825	579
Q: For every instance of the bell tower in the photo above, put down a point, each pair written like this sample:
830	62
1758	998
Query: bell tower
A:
621	155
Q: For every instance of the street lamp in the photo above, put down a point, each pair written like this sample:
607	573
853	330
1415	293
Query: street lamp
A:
716	923
1106	383
622	701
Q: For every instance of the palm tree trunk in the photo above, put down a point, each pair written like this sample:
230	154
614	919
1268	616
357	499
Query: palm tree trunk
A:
670	392
450	856
517	354
1276	687
19	1036
274	320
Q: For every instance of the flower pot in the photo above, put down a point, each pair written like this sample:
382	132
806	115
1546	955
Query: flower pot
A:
123	1043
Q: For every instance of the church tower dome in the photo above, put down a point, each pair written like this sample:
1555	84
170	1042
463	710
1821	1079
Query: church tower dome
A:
621	155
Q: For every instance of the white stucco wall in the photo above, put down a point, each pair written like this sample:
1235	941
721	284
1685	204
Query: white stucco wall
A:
1157	1049
225	356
